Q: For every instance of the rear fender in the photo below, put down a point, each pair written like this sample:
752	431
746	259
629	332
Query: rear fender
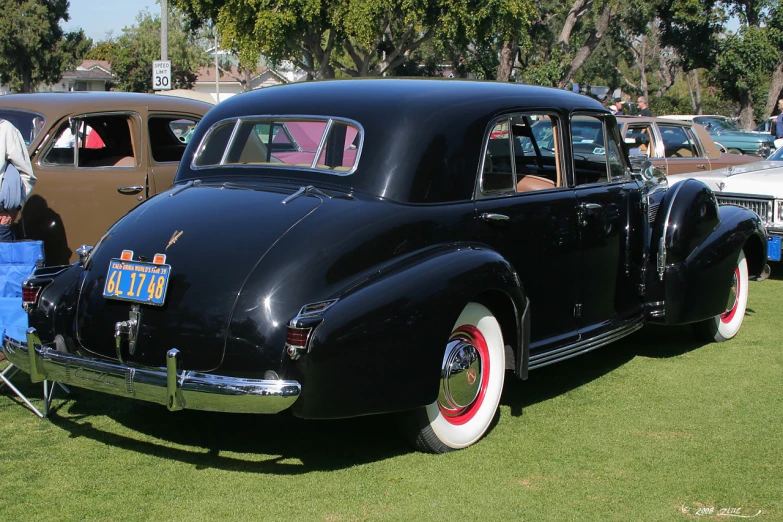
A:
380	347
695	245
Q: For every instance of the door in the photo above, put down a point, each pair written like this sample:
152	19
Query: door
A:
168	135
90	173
610	228
681	149
528	214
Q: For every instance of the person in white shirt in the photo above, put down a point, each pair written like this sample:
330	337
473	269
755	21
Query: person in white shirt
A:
16	177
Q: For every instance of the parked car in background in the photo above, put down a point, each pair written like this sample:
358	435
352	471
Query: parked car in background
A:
766	125
96	156
676	146
757	186
432	236
727	135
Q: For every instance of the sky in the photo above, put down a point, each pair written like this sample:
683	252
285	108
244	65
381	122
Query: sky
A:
97	17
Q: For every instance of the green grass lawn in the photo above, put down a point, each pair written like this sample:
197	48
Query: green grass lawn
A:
644	429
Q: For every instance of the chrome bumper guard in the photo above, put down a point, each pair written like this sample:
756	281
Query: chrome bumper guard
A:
174	388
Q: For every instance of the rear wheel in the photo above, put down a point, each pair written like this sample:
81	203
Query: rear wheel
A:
735	151
726	325
471	381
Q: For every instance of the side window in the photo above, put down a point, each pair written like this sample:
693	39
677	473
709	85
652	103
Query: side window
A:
169	135
94	141
522	155
676	142
639	140
588	141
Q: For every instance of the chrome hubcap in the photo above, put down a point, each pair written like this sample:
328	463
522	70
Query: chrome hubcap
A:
460	377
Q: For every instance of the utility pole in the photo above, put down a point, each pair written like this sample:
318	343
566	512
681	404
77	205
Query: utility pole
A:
164	30
217	69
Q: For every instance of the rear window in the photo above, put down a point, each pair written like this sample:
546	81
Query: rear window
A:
28	123
327	144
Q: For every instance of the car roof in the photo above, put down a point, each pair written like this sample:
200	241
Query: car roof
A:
691	116
422	137
92	101
654	119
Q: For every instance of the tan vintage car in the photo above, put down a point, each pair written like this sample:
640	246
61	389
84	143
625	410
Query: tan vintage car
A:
96	156
675	146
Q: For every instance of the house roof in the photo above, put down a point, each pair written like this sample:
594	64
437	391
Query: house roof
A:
90	70
207	75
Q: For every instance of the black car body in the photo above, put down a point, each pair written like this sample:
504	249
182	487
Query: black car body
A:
430	241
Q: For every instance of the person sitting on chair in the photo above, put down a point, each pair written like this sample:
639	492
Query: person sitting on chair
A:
16	177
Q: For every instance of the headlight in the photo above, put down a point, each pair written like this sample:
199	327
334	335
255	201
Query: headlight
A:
779	213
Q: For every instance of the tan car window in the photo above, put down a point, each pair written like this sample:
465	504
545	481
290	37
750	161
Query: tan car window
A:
677	143
100	141
169	135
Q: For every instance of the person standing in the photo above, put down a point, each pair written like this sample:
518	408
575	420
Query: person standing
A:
16	177
779	124
644	108
618	105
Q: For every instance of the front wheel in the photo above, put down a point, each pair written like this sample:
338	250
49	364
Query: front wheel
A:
471	380
726	325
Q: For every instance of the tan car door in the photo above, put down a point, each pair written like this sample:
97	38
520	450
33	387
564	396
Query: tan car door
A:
681	149
91	172
168	135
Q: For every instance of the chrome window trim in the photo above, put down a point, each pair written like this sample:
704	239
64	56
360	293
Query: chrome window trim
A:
278	118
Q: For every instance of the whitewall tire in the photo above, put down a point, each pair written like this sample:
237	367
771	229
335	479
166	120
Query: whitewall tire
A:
726	325
471	382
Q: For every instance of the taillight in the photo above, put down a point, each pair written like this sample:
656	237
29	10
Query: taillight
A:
300	328
30	295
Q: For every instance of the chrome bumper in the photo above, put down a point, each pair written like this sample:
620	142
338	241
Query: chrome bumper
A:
176	389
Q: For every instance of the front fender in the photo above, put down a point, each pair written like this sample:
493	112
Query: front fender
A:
696	245
380	347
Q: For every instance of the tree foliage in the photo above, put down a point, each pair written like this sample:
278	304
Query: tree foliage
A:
33	47
132	53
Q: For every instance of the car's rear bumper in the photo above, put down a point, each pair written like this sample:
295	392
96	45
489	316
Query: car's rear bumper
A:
175	388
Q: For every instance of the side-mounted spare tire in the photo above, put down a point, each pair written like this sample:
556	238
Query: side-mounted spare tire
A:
726	325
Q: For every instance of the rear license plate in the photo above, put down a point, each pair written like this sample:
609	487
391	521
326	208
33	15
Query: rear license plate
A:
137	282
773	248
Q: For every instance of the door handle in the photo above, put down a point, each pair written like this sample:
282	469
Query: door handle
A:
130	191
701	166
584	209
494	217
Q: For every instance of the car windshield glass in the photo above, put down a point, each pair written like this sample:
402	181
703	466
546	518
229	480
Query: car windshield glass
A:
328	145
28	123
777	155
716	123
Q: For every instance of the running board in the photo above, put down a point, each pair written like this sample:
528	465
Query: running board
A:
578	348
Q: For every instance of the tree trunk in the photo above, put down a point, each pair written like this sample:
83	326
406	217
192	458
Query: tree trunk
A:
690	91
642	62
589	46
578	9
26	81
508	55
775	89
697	91
746	111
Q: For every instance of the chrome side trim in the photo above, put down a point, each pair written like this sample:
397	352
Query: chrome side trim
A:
170	386
580	347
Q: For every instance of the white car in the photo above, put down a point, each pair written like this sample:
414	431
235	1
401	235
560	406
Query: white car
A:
757	186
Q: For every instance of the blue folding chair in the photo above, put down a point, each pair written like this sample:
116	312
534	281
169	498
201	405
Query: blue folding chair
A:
18	259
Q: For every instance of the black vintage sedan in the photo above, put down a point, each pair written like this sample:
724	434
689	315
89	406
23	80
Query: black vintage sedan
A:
344	248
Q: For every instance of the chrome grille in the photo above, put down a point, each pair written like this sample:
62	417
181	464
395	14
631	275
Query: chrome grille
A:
762	207
652	213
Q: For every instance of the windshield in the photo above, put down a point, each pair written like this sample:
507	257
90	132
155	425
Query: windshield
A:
28	123
777	155
712	123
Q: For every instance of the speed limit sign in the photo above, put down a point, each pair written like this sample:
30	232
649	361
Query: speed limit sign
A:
161	75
